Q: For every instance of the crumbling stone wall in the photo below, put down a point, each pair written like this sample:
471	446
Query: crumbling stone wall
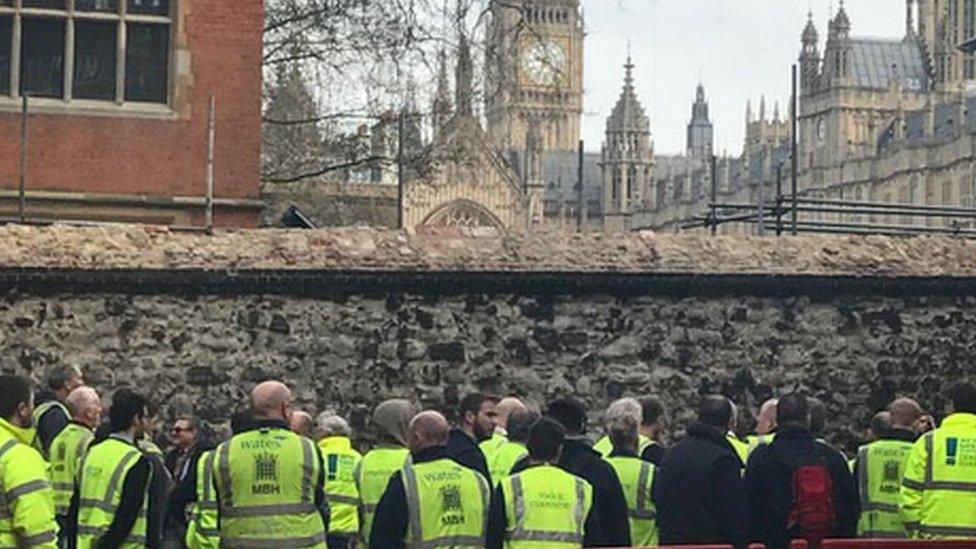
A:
349	351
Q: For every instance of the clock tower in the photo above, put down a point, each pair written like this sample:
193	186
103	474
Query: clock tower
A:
534	73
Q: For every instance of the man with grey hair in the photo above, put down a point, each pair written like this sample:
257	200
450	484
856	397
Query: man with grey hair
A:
636	478
51	415
341	460
619	408
71	445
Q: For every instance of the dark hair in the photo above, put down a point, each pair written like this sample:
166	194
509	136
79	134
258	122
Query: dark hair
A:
241	420
126	406
16	390
520	424
545	439
570	412
881	424
963	397
793	409
716	411
651	409
472	403
58	377
818	416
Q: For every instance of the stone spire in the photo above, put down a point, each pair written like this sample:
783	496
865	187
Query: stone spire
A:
809	57
842	22
910	20
762	108
628	114
464	76
700	130
442	105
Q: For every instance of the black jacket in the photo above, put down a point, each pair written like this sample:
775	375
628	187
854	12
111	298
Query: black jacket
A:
699	494
52	422
498	522
580	459
769	485
654	453
464	450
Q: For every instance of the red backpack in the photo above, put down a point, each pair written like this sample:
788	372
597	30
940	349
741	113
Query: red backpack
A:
812	515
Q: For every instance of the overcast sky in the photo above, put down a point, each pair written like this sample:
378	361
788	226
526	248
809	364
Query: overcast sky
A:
738	48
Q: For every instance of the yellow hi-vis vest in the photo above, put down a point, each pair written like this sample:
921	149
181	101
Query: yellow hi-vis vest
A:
504	459
340	484
102	474
545	507
266	481
203	530
447	505
605	447
372	475
938	491
880	467
490	446
67	449
39	412
27	501
637	479
741	448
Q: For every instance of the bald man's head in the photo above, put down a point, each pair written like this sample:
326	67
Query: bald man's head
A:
85	406
505	407
766	422
301	422
271	400
427	430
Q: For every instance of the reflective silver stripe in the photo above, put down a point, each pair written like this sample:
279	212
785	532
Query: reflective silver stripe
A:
450	541
882	535
38	539
207	505
929	450
947	530
642	482
878	506
912	484
519	499
208	496
580	503
271	543
641	515
307	468
543	535
88	530
83	443
342	500
138	540
270	510
108	507
357	475
26	488
485	504
227	501
208	532
7	446
63	486
863	475
912	526
113	483
369	507
413	505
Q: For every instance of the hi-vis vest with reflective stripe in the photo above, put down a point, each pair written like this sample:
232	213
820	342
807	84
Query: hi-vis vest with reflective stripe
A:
741	448
880	466
67	449
372	475
103	472
203	530
938	493
39	412
266	481
545	507
637	479
504	459
341	461
447	505
490	446
605	446
26	499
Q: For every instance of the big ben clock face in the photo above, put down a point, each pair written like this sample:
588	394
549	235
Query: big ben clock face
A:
544	62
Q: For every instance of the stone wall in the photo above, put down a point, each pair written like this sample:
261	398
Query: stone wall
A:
346	337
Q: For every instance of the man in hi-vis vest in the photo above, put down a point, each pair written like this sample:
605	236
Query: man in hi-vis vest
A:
270	481
543	503
432	502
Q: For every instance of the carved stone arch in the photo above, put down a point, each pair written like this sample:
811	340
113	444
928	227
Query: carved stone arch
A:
462	213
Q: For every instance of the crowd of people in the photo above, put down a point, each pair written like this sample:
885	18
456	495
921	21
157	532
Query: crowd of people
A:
501	473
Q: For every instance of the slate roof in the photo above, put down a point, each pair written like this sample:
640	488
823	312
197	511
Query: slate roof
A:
874	63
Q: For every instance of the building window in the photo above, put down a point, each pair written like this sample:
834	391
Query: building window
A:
103	50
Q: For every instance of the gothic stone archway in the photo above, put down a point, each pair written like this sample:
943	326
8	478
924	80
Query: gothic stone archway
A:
462	213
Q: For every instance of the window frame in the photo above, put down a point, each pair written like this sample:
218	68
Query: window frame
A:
67	103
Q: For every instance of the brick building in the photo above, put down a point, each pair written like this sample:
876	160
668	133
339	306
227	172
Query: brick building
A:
118	93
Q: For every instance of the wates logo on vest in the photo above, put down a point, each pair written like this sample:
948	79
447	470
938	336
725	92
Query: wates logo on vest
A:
550	500
891	482
452	509
265	474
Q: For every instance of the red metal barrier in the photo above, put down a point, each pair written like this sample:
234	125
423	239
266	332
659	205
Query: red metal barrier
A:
897	544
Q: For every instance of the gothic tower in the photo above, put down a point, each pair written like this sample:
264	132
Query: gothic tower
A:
441	107
627	158
809	58
534	72
700	129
